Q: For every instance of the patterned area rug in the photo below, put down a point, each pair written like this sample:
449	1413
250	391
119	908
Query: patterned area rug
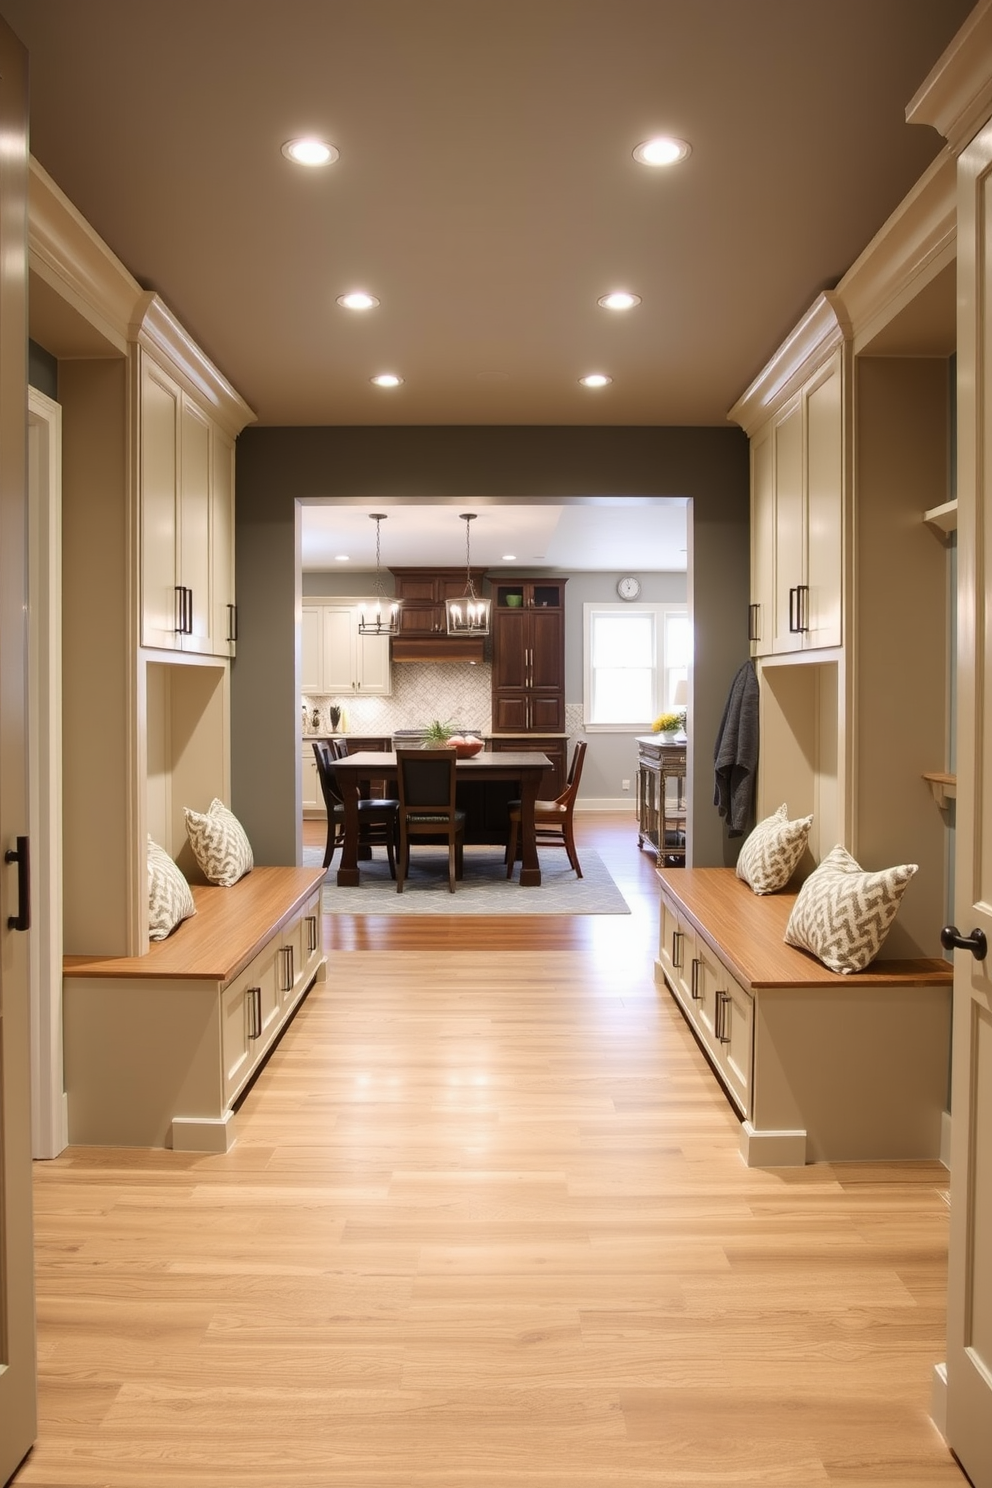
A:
484	890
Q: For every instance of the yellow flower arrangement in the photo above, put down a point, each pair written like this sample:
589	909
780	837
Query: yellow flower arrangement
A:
669	723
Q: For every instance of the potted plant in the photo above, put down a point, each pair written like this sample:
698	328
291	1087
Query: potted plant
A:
670	723
437	735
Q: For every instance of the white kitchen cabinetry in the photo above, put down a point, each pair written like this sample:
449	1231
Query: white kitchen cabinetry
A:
336	659
186	506
313	800
797	518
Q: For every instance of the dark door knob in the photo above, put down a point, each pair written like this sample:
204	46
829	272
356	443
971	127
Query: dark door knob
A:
951	939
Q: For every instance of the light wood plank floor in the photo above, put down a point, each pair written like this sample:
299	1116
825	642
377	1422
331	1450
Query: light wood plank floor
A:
486	1227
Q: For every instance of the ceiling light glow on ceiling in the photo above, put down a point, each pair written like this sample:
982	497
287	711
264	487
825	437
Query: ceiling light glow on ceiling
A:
595	380
619	299
358	299
341	558
309	152
509	558
386	379
663	150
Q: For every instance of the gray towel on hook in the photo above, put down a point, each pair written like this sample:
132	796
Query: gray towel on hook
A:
735	756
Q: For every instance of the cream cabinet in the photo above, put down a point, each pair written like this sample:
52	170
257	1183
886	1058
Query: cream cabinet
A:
336	659
819	1066
186	512
797	519
313	800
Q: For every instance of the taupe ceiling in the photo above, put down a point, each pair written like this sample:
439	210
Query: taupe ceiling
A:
485	189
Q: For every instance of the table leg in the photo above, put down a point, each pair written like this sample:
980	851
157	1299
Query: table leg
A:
348	876
530	868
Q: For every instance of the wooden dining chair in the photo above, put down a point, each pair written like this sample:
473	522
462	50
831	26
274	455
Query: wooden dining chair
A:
376	816
552	819
426	789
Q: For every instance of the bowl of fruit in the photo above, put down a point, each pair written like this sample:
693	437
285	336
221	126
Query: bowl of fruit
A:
466	746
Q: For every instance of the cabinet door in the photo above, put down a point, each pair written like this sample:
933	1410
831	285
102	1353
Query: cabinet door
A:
547	648
374	675
510	650
790	567
224	625
340	631
312	649
313	800
159	426
824	508
194	526
761	620
735	1035
511	712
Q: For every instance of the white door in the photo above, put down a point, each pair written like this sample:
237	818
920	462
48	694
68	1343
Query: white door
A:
969	1318
18	1411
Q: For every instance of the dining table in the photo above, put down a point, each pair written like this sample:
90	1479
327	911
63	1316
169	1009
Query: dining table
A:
522	767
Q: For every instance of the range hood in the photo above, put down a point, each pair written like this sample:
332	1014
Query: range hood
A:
438	648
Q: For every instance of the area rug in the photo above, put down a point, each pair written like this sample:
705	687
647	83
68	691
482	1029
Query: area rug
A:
484	889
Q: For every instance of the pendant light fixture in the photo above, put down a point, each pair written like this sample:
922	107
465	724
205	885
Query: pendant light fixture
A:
382	616
468	616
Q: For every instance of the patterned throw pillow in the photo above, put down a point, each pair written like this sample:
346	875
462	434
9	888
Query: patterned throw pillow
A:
771	852
169	897
843	914
219	844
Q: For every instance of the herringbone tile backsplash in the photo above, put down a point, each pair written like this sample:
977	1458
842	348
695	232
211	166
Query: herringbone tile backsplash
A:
455	692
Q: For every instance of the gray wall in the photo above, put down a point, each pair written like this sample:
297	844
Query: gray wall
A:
277	467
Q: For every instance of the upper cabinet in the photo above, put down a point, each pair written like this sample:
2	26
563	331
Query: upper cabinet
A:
185	513
798	510
423	618
336	658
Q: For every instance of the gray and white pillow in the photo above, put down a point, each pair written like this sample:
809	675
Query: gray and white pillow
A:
843	914
169	898
773	849
220	844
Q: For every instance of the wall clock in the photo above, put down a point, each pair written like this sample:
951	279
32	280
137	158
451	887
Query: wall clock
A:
628	587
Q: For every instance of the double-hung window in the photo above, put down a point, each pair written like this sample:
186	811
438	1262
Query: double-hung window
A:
635	657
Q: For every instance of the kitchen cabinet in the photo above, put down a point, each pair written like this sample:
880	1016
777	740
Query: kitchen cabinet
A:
797	519
423	592
335	658
186	511
528	683
553	779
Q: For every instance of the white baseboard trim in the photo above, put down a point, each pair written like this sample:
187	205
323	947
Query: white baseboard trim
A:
606	803
945	1139
938	1399
772	1149
203	1133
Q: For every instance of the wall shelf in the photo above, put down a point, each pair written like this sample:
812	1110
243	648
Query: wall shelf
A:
943	786
942	519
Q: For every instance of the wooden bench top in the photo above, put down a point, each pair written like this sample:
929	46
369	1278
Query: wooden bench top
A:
229	928
747	930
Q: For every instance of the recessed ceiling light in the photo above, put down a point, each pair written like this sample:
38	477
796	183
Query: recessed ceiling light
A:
309	151
358	300
341	558
509	558
619	299
595	380
663	150
386	379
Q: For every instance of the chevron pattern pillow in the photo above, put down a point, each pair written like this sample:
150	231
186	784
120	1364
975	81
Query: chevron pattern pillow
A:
219	844
169	897
770	854
843	914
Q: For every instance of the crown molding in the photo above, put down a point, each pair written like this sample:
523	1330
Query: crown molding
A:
956	96
822	328
65	252
156	330
914	244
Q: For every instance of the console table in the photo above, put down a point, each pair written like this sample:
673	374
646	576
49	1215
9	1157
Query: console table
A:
660	760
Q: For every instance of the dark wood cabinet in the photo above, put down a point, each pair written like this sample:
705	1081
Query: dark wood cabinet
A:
528	685
423	592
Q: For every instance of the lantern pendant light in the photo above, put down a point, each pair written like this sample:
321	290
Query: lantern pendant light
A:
381	617
468	616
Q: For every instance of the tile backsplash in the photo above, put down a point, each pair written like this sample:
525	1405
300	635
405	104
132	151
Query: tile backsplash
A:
453	691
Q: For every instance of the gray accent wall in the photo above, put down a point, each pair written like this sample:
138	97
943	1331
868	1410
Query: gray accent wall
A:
279	467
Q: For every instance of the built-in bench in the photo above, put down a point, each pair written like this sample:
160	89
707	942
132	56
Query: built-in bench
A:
159	1048
820	1066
